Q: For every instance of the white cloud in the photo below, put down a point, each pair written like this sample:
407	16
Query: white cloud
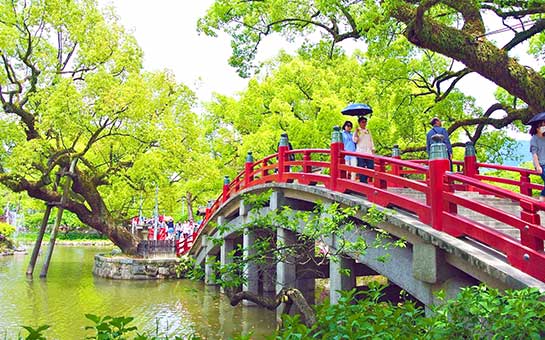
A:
166	31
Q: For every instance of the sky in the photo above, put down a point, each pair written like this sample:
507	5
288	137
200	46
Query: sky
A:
166	31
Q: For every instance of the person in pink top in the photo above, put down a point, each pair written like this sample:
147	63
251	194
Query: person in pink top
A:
364	144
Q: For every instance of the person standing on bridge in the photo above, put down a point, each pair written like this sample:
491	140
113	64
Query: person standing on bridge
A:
537	149
437	129
364	144
349	145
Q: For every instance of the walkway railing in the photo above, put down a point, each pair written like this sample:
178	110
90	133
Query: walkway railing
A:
432	178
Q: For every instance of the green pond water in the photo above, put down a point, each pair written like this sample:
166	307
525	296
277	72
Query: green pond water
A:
164	308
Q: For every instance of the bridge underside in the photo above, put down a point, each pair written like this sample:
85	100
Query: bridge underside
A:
430	261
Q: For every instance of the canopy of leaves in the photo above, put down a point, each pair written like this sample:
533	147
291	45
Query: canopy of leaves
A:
303	95
73	91
404	33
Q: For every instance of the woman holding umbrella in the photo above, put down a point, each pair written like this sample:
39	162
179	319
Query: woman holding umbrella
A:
362	138
537	146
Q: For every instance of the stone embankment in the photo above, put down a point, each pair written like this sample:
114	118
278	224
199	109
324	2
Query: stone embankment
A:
127	268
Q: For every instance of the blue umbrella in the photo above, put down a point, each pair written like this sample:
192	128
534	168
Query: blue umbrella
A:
357	109
537	118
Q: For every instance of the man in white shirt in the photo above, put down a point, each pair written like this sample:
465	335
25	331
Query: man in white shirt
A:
364	144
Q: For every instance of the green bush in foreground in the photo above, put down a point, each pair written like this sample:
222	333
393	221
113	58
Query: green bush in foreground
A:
477	313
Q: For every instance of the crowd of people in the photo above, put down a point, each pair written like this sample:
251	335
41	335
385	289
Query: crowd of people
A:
361	141
167	229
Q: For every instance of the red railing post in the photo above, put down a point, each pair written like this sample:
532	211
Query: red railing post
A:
470	161
438	165
380	167
529	213
525	184
225	193
396	154
335	155
282	158
248	168
306	159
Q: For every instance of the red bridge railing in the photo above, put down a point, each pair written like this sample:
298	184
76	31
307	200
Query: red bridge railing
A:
326	167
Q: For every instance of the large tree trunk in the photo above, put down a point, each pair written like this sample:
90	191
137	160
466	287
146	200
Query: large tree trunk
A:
85	201
189	202
470	47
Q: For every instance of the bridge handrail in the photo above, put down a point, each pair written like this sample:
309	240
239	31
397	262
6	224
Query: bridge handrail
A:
526	254
437	184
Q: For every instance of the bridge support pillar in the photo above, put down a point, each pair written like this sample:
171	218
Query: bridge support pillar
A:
243	210
269	278
427	262
286	270
277	200
451	287
209	273
342	276
251	268
305	275
225	257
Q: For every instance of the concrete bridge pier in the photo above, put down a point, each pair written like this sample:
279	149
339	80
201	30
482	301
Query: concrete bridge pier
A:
429	265
225	258
249	238
339	267
209	273
286	271
305	276
251	272
268	278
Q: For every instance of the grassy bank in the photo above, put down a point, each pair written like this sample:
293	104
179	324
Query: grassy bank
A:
71	238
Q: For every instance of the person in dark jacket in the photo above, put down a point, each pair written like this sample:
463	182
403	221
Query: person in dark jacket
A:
437	129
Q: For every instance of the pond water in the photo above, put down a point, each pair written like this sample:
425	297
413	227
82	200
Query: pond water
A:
163	308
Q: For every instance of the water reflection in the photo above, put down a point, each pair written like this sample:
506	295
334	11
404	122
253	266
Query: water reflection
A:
176	307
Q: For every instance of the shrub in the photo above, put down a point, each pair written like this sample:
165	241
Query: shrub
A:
481	312
478	312
6	229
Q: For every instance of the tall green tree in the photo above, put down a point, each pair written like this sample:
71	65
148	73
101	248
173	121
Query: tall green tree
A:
303	95
73	92
455	29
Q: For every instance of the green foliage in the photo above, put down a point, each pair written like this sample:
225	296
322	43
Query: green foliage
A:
304	94
187	269
366	319
481	312
33	221
374	216
108	327
68	236
36	333
77	91
477	313
6	229
407	74
74	235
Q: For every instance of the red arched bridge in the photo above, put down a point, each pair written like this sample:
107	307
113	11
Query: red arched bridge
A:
473	223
